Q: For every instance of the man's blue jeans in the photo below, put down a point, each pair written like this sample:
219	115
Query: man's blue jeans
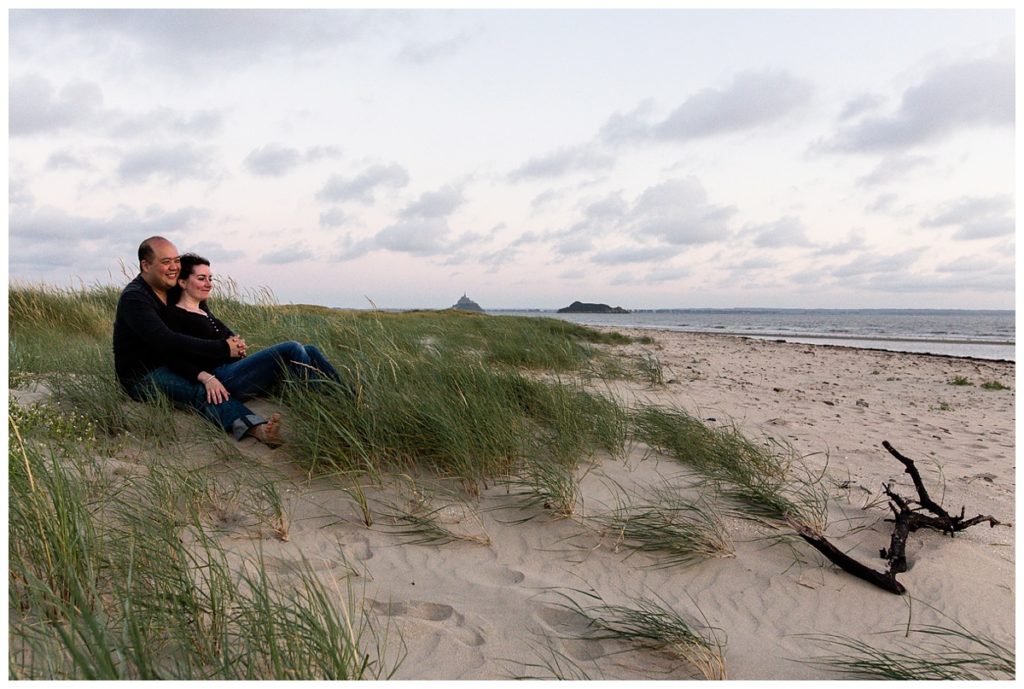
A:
260	373
233	416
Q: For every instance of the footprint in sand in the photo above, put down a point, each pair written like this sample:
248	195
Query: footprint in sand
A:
431	612
359	548
500	576
565	623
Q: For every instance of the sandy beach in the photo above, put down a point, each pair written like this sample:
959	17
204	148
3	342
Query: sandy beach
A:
492	605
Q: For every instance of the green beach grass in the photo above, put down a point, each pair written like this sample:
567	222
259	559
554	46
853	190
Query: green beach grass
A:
125	578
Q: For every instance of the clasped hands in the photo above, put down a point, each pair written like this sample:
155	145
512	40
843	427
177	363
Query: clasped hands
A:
236	346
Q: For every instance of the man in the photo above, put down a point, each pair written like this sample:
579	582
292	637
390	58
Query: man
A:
143	343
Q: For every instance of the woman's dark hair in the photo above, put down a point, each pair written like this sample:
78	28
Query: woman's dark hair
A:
189	262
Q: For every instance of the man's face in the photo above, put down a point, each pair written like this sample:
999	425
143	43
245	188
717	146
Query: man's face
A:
162	272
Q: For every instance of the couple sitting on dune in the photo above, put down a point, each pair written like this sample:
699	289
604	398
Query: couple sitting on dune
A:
167	341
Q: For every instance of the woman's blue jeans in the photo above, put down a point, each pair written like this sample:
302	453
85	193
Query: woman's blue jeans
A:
260	373
246	378
231	415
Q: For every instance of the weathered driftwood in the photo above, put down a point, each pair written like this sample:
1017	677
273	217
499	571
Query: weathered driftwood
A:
906	519
884	580
943	521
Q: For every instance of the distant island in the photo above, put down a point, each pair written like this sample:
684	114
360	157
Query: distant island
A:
466	304
582	307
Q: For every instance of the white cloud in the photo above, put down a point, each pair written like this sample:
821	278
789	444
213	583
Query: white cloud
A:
333	217
272	160
68	160
966	264
199	124
635	254
678	212
291	253
975	217
634	125
215	253
885	264
171	163
435	204
36	109
788	231
893	167
192	39
276	160
50	223
859	105
580	158
417	237
855	241
965	94
752	99
667	274
364	186
422	52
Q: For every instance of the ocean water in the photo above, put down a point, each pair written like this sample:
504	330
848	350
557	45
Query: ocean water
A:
978	334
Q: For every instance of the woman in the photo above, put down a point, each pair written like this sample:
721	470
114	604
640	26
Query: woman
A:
247	377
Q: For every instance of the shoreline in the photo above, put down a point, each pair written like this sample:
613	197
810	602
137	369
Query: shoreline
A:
817	341
994	341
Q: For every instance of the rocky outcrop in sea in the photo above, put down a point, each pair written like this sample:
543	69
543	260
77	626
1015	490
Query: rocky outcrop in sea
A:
583	307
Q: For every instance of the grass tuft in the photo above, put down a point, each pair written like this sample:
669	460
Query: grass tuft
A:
680	531
930	652
653	624
768	479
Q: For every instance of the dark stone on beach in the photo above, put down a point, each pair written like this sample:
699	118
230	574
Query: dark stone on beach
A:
584	307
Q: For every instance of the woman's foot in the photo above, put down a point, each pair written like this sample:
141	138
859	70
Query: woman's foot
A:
269	433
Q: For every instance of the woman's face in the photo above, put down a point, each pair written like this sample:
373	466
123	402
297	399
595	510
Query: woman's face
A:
199	283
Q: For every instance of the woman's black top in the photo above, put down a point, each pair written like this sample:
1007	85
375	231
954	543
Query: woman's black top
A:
205	326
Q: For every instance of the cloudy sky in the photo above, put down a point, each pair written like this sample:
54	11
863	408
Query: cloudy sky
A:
659	158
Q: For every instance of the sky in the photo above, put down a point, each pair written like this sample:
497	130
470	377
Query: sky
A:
527	158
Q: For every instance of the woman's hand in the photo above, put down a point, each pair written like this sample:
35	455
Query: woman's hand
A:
215	390
236	347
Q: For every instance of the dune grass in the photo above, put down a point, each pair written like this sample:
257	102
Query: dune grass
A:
652	623
125	583
674	529
770	482
927	652
127	579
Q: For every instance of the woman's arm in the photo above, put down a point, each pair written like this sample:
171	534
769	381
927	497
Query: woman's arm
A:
215	390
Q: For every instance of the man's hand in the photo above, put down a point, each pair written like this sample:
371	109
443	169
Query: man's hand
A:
236	347
215	390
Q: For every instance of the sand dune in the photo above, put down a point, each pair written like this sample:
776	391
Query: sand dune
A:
491	604
493	608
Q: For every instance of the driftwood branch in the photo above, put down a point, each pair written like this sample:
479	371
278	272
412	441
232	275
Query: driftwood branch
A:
906	519
884	580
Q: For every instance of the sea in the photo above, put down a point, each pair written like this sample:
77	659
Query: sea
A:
963	333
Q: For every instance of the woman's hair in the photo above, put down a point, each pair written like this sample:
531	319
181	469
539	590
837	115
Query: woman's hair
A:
189	262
